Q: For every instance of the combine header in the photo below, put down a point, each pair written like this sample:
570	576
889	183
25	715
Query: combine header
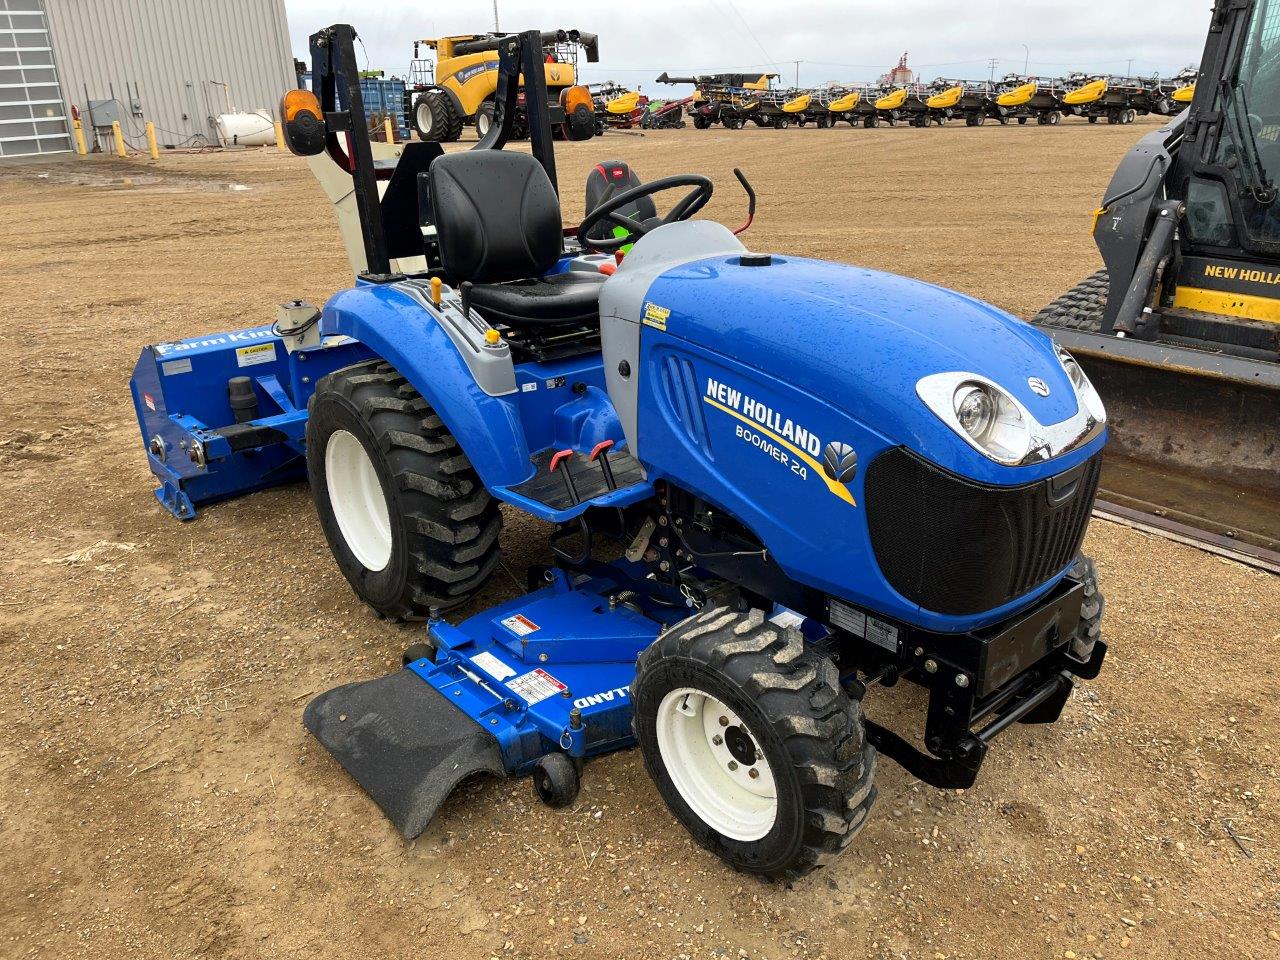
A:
1021	98
972	100
1118	99
729	99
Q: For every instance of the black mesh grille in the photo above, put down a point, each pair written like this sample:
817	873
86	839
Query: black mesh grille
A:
958	547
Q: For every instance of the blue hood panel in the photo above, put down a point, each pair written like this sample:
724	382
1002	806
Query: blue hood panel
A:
860	340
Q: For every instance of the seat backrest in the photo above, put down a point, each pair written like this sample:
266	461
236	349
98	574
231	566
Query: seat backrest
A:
607	180
497	216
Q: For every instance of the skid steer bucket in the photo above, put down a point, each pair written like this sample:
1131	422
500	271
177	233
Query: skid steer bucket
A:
1195	432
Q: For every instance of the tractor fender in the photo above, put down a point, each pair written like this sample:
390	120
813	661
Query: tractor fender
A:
400	331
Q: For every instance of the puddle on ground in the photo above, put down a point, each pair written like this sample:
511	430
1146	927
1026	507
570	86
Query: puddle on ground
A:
156	183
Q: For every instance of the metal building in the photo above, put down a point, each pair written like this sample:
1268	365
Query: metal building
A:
177	63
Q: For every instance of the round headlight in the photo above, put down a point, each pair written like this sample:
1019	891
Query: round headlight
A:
975	409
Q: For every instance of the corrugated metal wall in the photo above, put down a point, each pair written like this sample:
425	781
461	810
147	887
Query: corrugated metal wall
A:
177	63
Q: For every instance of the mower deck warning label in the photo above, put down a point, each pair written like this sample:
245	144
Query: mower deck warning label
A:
535	686
258	353
520	625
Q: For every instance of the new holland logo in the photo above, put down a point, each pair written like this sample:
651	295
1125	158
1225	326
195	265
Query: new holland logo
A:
839	461
1038	386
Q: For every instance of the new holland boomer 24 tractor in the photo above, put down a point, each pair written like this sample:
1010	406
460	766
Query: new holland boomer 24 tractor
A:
817	478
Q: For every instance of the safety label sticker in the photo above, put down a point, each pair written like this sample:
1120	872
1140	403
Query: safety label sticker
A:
520	625
492	666
258	353
655	316
536	686
882	634
847	618
176	366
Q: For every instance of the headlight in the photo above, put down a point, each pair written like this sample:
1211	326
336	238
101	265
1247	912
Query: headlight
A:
991	421
1088	396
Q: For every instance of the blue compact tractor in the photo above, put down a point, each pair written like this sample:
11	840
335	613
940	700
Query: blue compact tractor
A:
772	483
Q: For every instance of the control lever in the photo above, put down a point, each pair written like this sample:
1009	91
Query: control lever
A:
601	452
751	200
560	457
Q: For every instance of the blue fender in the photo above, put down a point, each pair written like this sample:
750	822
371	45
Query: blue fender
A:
399	331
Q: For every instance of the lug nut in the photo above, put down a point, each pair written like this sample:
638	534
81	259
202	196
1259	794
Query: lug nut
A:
753	773
962	680
733	765
724	721
717	740
931	666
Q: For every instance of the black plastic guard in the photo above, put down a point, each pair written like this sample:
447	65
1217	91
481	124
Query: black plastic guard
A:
403	742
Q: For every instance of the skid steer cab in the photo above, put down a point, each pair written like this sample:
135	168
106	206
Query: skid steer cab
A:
810	478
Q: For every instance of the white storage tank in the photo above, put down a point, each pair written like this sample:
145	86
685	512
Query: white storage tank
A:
255	129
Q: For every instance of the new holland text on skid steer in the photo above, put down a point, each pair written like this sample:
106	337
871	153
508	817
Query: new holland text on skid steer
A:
1181	330
817	478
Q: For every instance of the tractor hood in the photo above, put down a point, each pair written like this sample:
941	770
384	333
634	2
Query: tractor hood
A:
862	340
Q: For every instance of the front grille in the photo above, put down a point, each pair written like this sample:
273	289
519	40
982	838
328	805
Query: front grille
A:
959	547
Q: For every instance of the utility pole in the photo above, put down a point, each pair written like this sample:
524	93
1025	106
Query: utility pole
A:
1026	64
797	73
1130	73
992	63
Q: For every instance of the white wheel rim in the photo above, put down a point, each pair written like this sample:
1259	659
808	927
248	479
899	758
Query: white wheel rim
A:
358	503
425	117
711	777
482	124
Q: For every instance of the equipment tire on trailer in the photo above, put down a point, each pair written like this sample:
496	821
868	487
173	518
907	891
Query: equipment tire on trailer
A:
405	514
752	743
435	118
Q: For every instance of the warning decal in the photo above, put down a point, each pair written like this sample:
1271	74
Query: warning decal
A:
536	686
493	666
520	625
258	353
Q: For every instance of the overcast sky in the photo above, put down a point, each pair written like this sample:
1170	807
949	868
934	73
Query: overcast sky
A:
833	40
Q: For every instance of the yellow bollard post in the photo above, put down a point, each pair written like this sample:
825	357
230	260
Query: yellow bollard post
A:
119	135
81	147
280	137
386	125
151	141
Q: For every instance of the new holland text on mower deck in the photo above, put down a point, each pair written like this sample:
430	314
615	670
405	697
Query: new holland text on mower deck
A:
818	477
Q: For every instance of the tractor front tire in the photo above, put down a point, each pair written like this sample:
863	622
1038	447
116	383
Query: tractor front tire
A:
435	118
752	743
1092	609
406	516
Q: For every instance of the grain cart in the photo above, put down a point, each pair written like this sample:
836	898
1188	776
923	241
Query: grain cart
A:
1181	329
771	482
459	88
1021	98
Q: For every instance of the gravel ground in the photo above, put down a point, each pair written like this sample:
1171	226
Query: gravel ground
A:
160	798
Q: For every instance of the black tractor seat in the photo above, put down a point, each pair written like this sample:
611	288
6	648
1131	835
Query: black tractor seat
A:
497	221
563	298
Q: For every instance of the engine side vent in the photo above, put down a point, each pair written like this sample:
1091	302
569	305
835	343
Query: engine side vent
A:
681	387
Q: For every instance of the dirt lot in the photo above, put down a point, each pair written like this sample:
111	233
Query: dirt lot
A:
160	798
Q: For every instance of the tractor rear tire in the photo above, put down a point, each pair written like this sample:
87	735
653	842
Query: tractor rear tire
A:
435	118
1092	609
701	123
406	516
752	743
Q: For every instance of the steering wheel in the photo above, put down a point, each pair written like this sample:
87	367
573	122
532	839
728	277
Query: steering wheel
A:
690	204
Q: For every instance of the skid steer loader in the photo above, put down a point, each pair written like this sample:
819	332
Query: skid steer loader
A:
1180	331
810	477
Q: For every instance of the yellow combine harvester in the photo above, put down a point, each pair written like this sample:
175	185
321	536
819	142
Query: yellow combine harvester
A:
458	89
1180	333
